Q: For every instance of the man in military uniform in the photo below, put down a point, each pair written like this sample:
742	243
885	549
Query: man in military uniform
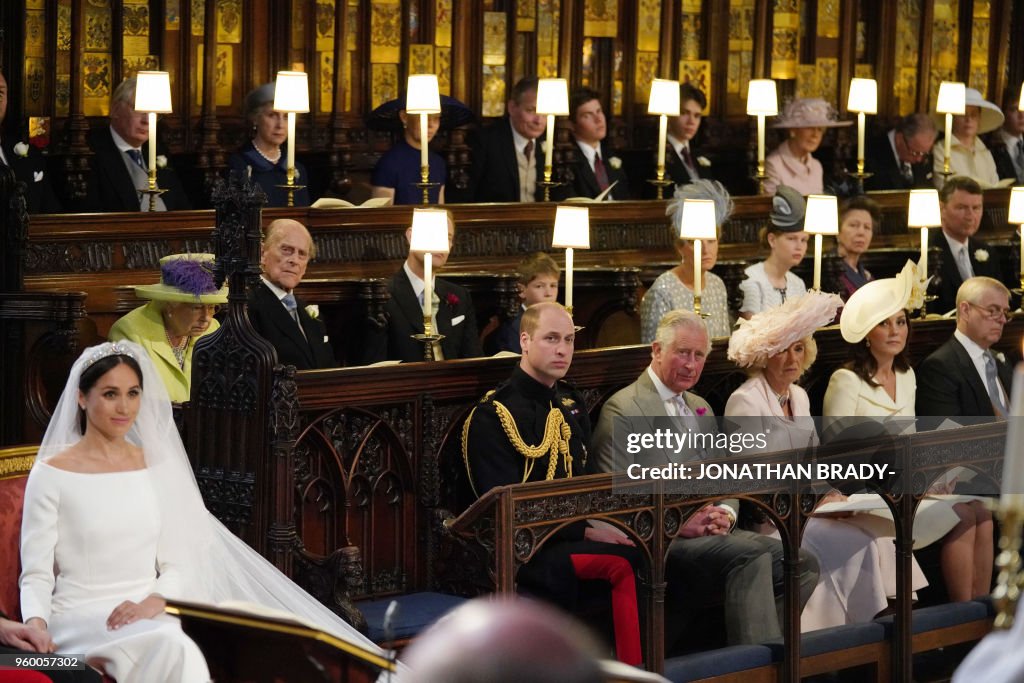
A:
535	427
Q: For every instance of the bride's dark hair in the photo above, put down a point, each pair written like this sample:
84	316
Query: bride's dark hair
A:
92	374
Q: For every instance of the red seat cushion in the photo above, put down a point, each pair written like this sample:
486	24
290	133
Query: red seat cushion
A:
12	496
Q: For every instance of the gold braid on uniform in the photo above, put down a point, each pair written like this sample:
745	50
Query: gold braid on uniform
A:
557	434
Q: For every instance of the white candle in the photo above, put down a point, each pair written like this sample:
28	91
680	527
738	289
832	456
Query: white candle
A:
549	147
760	141
568	278
817	262
696	268
947	143
291	140
860	136
1022	251
1013	462
428	285
662	132
152	142
423	143
923	263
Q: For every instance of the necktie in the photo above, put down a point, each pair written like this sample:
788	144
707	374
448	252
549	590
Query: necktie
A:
528	149
600	173
684	152
682	410
964	263
292	307
136	156
908	172
992	384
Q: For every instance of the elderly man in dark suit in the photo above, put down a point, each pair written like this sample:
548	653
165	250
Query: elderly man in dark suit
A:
596	167
454	317
963	377
963	255
28	164
298	336
710	558
119	168
902	158
508	157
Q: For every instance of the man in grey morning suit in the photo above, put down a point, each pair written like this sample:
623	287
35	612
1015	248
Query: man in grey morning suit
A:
709	558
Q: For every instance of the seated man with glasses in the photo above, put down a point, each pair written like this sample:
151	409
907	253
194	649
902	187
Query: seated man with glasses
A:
180	311
901	159
964	376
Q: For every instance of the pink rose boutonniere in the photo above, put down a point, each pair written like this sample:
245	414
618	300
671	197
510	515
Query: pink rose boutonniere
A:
451	299
701	412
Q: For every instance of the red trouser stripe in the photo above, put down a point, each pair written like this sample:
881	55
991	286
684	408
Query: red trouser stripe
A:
619	573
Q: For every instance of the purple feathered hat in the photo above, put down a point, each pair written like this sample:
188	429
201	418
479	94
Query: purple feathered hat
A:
186	278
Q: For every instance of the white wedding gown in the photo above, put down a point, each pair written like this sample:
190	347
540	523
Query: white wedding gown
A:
89	542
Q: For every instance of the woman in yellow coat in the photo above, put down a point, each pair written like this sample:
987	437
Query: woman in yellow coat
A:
179	312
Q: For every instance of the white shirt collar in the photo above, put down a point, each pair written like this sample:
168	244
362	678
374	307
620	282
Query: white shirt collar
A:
590	152
519	141
415	280
954	245
664	392
278	292
119	142
1006	138
972	348
678	145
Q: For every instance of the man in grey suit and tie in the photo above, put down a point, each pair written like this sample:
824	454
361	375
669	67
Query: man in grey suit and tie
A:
710	559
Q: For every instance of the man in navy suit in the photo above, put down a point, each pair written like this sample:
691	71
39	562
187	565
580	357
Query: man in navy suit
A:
121	159
964	376
299	338
902	158
28	164
596	167
683	164
508	159
963	255
454	317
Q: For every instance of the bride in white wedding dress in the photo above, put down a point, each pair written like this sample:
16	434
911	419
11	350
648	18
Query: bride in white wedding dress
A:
114	523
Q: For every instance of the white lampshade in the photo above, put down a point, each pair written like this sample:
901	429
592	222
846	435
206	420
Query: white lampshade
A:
863	96
923	211
291	92
762	97
952	98
822	216
572	228
422	95
664	97
153	92
429	231
553	96
698	222
1016	215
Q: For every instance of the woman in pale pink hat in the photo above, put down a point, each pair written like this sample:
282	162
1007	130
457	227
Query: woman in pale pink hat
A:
791	162
968	155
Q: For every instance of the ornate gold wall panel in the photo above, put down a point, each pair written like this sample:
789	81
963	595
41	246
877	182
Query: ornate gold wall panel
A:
601	18
980	27
908	35
741	45
324	71
828	18
944	45
785	39
443	24
691	29
385	32
172	15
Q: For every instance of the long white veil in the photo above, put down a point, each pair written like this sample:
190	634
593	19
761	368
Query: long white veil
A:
218	565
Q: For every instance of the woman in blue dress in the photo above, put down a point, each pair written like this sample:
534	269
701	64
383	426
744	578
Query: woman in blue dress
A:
264	157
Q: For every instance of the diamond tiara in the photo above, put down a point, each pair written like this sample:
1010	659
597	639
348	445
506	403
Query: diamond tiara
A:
108	349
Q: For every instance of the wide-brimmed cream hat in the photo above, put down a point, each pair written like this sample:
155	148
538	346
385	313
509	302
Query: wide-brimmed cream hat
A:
809	112
775	329
991	114
875	302
185	278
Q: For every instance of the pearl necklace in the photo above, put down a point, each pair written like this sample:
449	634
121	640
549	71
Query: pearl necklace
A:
179	350
272	162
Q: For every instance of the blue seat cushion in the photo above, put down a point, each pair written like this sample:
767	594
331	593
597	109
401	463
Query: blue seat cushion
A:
709	663
833	639
416	611
941	616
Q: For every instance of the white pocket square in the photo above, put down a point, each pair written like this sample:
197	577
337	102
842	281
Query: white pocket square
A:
326	339
457	319
37	176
